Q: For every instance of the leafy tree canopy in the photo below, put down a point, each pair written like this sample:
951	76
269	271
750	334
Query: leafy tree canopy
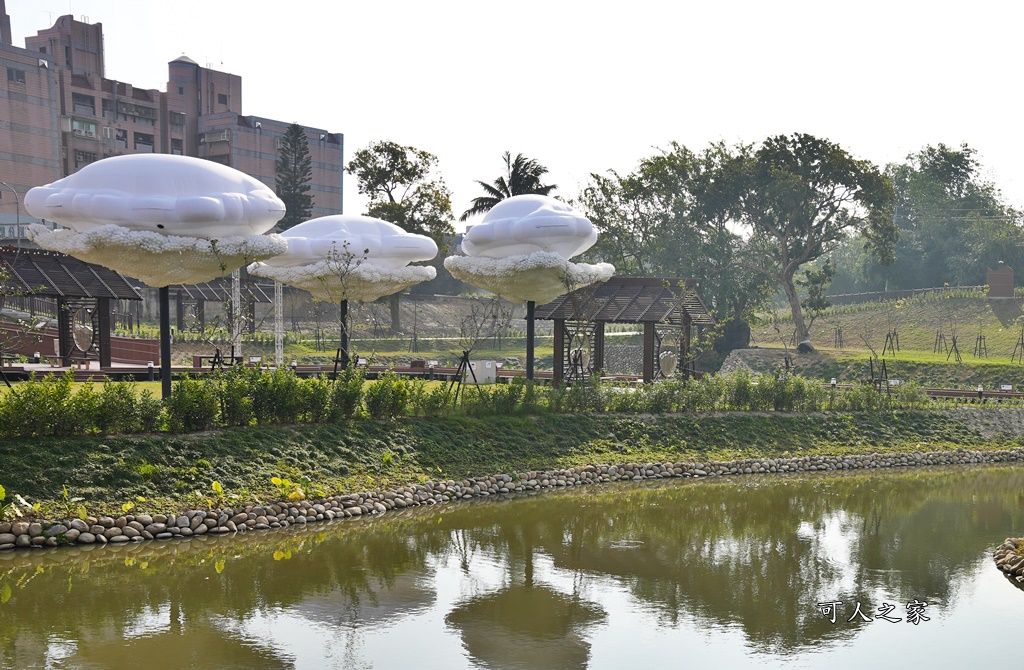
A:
398	179
800	197
669	218
953	225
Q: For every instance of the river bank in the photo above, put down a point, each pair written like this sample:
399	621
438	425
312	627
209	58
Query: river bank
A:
130	489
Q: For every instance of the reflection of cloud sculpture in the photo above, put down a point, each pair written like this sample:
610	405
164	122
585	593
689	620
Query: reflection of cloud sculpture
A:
525	224
172	195
521	250
527	626
541	276
350	258
158	260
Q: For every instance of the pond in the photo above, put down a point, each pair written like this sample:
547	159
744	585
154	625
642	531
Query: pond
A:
712	573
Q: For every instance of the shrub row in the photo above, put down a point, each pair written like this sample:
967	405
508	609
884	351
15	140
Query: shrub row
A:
243	396
52	407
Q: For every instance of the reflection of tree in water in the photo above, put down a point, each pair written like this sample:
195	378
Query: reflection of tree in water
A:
759	553
360	566
755	553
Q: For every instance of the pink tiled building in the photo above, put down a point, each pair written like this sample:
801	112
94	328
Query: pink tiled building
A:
59	112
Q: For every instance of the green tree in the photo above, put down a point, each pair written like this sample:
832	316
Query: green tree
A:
670	217
294	172
953	225
522	177
800	197
402	190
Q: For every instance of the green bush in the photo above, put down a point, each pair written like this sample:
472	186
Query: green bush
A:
387	397
234	394
276	397
193	405
316	399
438	401
346	395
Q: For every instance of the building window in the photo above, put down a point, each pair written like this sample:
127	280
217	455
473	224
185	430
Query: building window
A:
121	138
176	147
67	56
108	110
83	104
83	128
144	143
181	90
222	98
42	50
15	75
83	158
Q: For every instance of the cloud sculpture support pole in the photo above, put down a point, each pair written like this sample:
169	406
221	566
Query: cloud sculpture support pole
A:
342	258
521	251
161	219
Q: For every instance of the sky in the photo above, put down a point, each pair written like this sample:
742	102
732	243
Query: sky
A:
587	87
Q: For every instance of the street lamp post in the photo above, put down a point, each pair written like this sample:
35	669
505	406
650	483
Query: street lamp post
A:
17	212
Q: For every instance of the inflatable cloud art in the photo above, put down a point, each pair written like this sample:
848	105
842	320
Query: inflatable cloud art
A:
521	250
350	258
159	218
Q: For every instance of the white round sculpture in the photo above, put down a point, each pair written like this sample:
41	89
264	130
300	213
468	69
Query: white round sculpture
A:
159	218
525	224
170	195
350	258
522	248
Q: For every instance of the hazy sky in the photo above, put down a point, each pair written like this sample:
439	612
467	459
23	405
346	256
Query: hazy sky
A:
586	86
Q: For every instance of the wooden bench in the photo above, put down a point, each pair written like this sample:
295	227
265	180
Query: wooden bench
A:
200	362
79	362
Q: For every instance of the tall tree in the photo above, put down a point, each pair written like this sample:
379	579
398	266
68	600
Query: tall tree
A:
398	179
401	188
669	218
801	196
294	172
522	177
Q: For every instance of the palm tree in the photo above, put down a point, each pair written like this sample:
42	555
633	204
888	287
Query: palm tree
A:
522	176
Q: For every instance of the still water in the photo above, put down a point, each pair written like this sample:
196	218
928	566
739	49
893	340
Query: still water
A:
677	573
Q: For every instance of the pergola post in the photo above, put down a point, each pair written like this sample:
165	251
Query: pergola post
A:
104	317
559	357
598	350
63	330
649	346
530	306
165	342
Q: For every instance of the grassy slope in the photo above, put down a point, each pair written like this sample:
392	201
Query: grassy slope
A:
177	471
917	322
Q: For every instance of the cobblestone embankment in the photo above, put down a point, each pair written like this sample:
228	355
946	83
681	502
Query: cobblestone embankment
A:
137	528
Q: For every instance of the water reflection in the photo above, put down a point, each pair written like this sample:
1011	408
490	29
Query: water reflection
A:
531	582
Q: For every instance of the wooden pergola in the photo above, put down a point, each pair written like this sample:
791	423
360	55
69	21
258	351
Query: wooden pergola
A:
83	292
668	309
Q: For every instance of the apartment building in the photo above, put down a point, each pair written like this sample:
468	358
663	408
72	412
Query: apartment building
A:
59	112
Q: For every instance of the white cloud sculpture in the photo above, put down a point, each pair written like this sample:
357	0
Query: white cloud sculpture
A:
160	218
521	250
170	195
350	258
